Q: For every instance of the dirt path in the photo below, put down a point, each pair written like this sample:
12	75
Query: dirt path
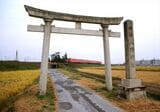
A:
74	98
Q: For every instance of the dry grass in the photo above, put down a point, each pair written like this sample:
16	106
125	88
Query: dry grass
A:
30	101
141	105
138	68
13	82
92	84
146	76
19	88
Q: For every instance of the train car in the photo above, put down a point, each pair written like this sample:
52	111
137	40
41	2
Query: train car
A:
83	61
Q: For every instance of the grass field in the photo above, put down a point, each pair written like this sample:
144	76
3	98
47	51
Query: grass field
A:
14	65
92	77
151	79
145	75
13	82
138	68
19	88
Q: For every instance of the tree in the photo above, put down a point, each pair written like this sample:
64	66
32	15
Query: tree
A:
64	58
57	58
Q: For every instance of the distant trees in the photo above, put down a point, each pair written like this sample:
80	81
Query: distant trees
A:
55	57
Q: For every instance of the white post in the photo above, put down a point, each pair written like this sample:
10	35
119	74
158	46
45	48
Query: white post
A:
108	75
44	60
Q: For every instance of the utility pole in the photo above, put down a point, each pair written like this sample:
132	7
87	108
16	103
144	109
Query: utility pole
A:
16	55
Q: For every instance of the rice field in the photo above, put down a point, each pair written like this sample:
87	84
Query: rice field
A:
145	75
138	68
13	82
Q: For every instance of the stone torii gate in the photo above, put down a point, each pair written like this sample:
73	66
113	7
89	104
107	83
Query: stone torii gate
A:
130	87
49	16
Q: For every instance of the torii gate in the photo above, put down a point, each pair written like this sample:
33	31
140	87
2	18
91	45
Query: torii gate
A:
49	16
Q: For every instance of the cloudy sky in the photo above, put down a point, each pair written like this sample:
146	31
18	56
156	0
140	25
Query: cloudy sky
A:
14	36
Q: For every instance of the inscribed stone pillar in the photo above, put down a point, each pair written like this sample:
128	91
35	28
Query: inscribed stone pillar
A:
129	49
108	74
131	87
45	53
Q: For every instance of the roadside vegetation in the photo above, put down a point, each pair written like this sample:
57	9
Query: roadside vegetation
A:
19	88
92	77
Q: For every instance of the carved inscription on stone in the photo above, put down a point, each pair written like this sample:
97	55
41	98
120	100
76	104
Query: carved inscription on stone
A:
129	49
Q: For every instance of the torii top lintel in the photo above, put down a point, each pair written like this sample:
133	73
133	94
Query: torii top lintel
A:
39	13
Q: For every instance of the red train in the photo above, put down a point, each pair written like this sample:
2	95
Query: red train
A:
83	61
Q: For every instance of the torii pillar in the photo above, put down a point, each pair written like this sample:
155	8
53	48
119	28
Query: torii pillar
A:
107	62
45	54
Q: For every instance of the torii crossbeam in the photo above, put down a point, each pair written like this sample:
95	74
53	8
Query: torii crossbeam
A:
35	28
49	16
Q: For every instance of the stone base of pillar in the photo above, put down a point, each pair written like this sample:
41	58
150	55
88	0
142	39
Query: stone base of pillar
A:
132	89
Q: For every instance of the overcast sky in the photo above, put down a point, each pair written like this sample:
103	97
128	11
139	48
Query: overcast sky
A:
14	36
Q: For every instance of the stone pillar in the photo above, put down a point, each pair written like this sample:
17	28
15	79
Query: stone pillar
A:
129	50
108	74
131	87
44	60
